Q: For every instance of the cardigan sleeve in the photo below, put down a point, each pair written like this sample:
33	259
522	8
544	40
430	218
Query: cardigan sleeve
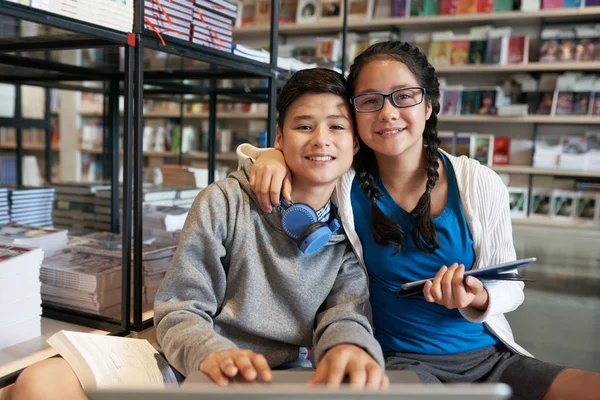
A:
494	214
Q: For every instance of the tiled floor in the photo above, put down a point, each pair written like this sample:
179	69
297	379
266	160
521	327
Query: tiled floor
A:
559	321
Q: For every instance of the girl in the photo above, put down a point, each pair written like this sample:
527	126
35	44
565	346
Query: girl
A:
409	209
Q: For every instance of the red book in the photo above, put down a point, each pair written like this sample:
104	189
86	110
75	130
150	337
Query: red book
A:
501	154
485	6
466	7
448	7
518	50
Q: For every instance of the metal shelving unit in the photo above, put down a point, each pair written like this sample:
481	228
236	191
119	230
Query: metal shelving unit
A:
133	81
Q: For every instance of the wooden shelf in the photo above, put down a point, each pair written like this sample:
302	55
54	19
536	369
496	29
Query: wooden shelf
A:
529	67
555	223
530	119
31	147
529	170
196	155
151	114
438	21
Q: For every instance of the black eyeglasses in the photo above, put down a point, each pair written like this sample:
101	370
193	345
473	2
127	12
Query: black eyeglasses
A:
401	98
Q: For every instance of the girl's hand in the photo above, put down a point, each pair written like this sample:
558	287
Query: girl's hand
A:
270	178
449	290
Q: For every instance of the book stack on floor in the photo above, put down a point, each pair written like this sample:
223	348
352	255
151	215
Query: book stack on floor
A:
156	257
20	300
74	207
164	224
4	206
32	206
83	282
185	197
213	22
51	241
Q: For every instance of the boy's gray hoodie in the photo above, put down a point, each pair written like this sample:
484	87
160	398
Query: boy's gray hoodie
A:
238	281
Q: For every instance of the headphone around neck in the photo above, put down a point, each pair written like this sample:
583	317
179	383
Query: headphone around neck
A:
300	222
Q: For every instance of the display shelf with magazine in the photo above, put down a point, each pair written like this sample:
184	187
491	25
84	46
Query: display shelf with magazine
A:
528	119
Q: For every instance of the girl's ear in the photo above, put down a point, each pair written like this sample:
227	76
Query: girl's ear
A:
428	110
278	138
356	144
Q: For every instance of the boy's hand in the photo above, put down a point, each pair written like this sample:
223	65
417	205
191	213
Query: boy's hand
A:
348	359
449	290
270	179
222	365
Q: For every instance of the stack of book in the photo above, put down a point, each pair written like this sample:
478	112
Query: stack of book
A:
32	206
213	22
20	300
84	282
183	176
112	14
74	206
156	257
164	223
51	241
4	206
173	18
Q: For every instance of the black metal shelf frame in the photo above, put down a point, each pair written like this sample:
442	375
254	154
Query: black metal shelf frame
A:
53	74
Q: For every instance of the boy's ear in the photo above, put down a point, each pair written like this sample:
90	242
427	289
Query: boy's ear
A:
278	138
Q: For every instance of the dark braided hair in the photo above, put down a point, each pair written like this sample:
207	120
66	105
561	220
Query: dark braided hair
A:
385	230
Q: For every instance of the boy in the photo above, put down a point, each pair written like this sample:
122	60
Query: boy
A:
242	295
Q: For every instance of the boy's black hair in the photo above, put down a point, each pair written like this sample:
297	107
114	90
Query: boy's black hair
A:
314	80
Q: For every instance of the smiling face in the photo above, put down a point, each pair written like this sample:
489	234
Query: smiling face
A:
318	139
391	131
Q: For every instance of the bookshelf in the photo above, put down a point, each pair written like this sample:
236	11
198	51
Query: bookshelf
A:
529	119
438	22
186	115
554	223
529	170
196	155
591	66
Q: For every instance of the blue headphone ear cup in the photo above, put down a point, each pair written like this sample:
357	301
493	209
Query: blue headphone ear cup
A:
314	238
297	219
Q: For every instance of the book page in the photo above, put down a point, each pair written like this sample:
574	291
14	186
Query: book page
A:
118	361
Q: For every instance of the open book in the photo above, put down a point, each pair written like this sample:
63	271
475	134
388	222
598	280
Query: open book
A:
101	361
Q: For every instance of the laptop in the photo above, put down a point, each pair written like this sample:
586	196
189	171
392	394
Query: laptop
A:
291	385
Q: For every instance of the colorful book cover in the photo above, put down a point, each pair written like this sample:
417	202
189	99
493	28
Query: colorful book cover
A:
399	8
586	207
477	51
432	7
494	51
518	50
487	102
482	148
517	199
448	7
552	4
581	103
459	52
417	8
596	105
592	3
545	106
501	150
439	53
572	3
451	102
503	5
485	6
469	102
584	50
466	7
564	103
566	50
541	201
549	50
463	145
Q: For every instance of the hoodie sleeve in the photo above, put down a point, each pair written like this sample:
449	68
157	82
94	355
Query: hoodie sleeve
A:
194	286
504	296
247	151
341	319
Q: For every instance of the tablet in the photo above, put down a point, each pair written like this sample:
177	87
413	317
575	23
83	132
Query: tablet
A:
493	272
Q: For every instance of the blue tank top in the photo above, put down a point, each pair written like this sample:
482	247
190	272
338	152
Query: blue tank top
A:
411	324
